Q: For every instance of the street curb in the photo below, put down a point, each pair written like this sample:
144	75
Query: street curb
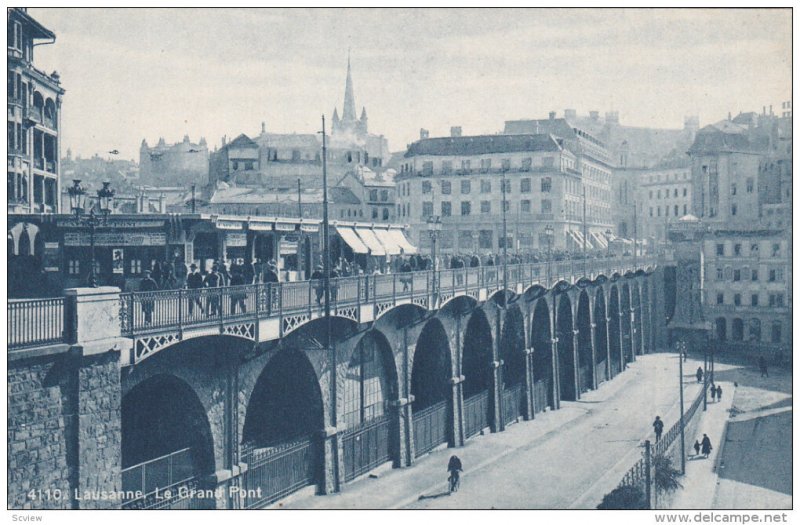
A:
723	438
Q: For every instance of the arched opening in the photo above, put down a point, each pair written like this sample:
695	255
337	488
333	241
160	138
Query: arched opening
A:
584	326
721	328
476	367
600	337
166	443
370	383
614	335
627	329
541	339
512	353
737	329
565	347
24	243
637	328
430	386
281	429
754	334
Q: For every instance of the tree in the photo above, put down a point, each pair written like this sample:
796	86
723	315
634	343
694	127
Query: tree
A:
624	498
666	477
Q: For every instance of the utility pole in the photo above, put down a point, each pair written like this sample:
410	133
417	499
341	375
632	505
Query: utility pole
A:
299	199
300	239
193	201
584	231
326	250
635	241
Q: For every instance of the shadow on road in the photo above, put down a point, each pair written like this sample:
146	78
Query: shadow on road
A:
434	496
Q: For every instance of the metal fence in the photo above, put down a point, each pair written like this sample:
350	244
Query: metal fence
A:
162	483
35	322
275	472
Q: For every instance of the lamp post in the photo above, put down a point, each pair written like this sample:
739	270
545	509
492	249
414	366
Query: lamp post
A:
434	227
505	241
681	345
548	232
77	199
608	246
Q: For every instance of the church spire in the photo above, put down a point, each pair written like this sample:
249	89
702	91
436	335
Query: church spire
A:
349	109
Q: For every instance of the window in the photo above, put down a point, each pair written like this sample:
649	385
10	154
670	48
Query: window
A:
776	250
776	332
466	187
525	186
384	195
385	214
651	211
505	186
776	299
772	276
547	206
506	206
485	240
447	167
374	213
754	248
651	194
737	299
659	194
506	164
136	266
446	187
486	186
684	209
486	207
675	192
426	186
675	211
427	168
755	329
547	184
486	165
733	209
547	162
754	275
427	209
465	166
720	298
720	249
719	274
373	195
447	209
526	164
754	300
737	275
74	267
733	188
525	206
737	249
684	192
235	165
466	207
749	185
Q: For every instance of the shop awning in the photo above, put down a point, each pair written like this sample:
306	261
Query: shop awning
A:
371	241
400	238
576	242
579	236
352	240
389	244
598	238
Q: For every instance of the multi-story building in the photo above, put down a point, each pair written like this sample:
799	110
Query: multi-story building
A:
662	195
182	163
376	190
34	119
459	179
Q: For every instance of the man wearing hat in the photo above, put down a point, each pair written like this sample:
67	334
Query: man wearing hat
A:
148	284
194	281
318	276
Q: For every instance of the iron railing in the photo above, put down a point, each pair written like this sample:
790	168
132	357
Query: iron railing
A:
150	312
161	483
33	322
277	471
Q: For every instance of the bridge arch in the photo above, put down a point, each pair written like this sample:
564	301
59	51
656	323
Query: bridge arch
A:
512	355
602	363
431	375
583	323
627	328
165	426
566	356
476	367
543	365
614	331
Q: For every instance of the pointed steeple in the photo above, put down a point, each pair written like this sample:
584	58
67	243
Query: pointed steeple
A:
335	115
349	109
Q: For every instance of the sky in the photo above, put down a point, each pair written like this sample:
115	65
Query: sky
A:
131	74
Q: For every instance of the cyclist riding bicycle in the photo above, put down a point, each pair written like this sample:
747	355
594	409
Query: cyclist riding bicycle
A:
454	467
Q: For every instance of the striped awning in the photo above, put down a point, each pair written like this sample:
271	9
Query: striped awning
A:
400	239
353	241
371	241
389	244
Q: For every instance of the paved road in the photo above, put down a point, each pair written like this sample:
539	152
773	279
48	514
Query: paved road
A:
566	469
755	470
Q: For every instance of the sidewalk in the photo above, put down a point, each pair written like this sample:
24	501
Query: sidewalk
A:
701	479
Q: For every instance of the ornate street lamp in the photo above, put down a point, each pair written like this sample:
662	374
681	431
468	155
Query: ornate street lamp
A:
77	201
434	229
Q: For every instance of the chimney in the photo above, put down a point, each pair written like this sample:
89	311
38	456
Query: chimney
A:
770	110
424	134
455	131
552	115
570	113
594	115
763	110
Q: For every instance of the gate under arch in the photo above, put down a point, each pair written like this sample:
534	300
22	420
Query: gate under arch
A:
627	328
476	363
512	354
541	339
167	444
584	327
600	337
614	335
430	386
566	356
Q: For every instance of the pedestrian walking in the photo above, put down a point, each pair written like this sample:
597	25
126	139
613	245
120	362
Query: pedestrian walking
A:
658	427
148	284
713	391
317	276
238	295
705	445
699	374
696	448
719	393
453	468
762	364
194	282
213	280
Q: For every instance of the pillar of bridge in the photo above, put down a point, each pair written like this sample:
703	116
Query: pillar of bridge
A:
530	399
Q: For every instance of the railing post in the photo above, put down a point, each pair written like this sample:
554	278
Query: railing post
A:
394	288
648	488
180	313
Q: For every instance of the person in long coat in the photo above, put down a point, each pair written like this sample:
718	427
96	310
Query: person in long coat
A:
148	284
705	445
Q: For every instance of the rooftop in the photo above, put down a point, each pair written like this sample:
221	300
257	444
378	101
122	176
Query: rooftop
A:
483	144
